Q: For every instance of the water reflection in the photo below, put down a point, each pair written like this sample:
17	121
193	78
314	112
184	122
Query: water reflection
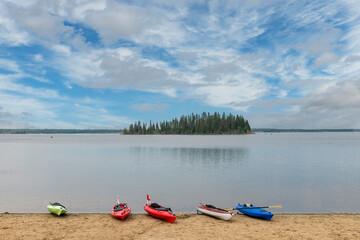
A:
192	156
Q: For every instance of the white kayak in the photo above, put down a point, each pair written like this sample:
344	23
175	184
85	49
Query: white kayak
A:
214	212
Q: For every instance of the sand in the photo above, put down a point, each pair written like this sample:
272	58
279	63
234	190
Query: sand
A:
186	226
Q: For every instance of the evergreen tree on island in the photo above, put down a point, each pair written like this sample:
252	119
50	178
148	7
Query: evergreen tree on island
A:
194	124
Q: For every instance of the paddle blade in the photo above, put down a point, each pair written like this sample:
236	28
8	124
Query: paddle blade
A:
276	206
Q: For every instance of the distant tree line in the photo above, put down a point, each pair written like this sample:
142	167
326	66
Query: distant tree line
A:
55	131
303	130
205	123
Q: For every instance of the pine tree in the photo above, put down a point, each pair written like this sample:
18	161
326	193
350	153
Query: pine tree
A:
205	123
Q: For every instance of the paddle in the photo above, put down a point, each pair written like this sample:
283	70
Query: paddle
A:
274	206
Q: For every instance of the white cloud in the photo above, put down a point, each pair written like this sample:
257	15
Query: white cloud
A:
116	68
91	116
118	21
144	107
38	23
326	58
232	95
331	105
23	111
80	10
62	49
38	58
9	33
335	96
8	83
9	65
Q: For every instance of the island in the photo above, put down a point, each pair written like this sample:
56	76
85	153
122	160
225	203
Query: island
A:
204	123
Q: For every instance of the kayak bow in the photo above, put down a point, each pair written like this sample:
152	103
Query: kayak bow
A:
56	208
121	211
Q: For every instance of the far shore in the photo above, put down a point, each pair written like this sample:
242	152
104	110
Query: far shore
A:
120	131
186	226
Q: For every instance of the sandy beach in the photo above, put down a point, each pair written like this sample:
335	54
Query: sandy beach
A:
186	226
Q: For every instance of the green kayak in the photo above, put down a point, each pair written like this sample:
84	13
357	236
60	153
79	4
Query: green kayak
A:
56	208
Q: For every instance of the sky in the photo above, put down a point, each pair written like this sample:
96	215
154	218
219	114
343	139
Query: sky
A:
106	63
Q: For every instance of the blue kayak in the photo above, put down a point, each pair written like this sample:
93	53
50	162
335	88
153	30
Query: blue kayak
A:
253	211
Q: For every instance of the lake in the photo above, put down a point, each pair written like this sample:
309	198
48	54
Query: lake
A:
305	172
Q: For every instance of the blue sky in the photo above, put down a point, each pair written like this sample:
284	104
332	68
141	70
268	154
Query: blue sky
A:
106	63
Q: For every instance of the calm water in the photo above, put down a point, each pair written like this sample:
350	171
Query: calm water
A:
305	172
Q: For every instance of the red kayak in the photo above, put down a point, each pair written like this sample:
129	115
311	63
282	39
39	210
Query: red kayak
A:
121	210
158	211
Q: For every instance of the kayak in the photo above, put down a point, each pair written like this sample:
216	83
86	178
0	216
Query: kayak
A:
253	211
158	211
121	211
214	212
56	208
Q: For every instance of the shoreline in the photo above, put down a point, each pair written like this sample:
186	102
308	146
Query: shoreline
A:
186	226
187	213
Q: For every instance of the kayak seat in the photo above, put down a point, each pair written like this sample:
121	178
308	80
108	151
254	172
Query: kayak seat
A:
155	205
159	208
120	206
163	209
57	204
210	206
213	207
247	205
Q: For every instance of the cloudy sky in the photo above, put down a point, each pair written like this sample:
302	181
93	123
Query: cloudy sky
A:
107	63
